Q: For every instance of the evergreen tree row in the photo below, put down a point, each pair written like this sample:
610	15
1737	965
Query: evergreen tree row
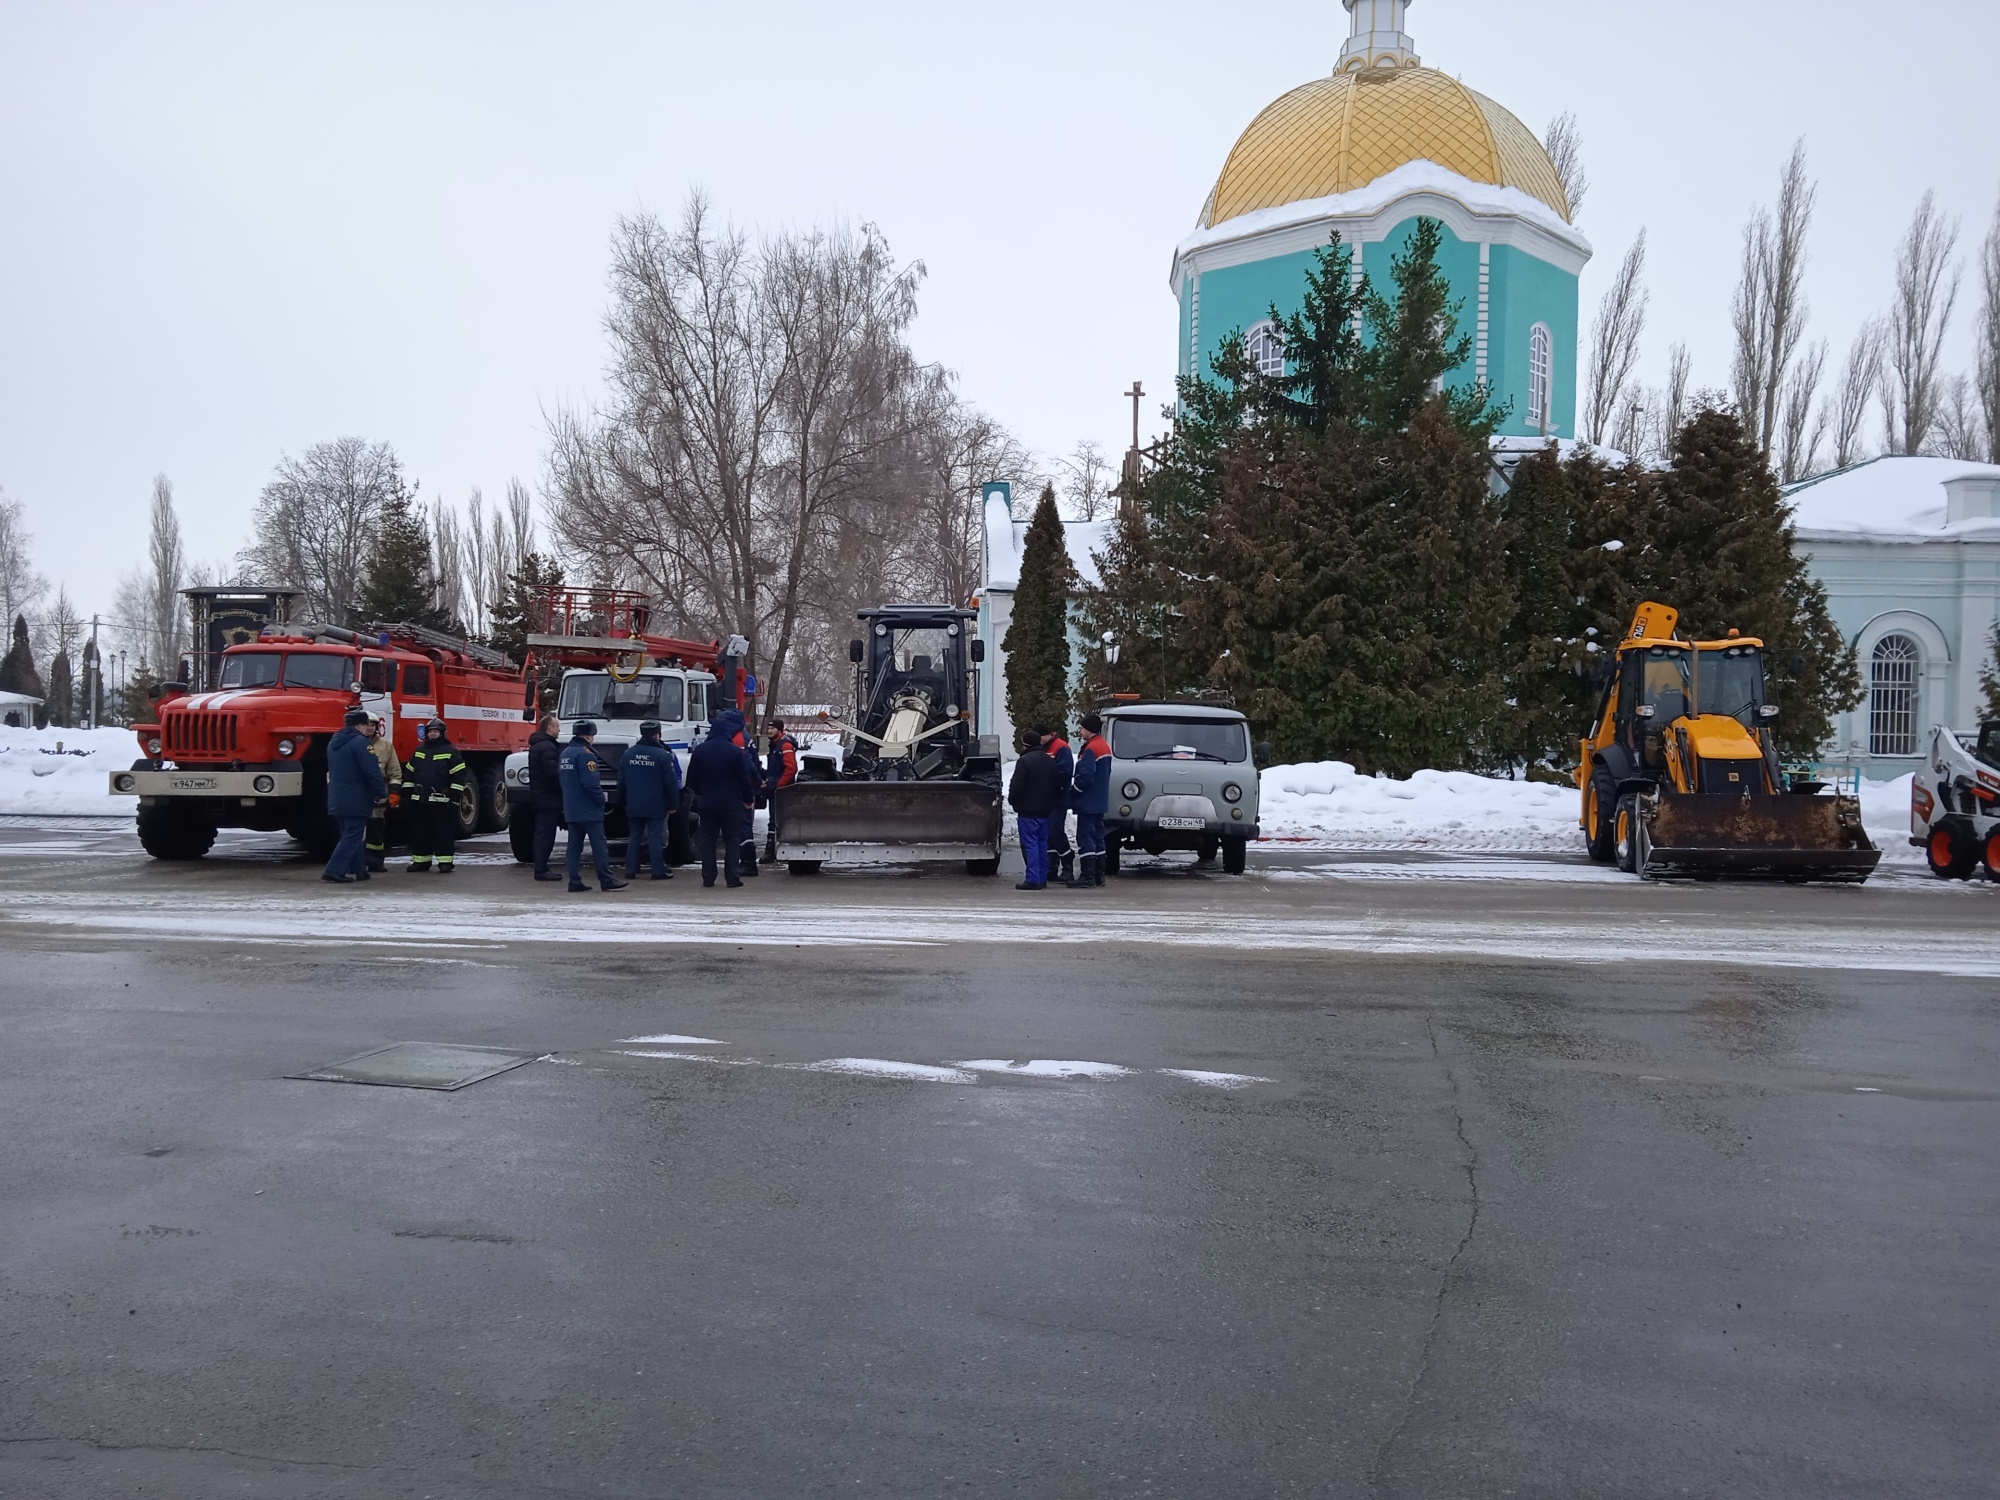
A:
1331	546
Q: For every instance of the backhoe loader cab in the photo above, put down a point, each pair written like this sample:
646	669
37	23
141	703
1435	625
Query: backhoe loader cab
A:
1680	774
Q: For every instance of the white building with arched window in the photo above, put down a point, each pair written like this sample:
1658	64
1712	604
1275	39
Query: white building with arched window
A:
1908	550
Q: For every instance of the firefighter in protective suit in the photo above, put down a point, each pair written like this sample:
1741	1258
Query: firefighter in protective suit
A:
433	782
383	743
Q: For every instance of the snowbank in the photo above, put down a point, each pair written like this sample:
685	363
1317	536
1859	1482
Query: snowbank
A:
1327	804
36	777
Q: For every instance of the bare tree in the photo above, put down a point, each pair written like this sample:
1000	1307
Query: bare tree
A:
1633	423
1769	309
1960	430
166	576
21	587
1927	283
1988	376
1850	400
1086	483
312	523
758	391
1803	419
1675	406
451	542
1614	344
1564	143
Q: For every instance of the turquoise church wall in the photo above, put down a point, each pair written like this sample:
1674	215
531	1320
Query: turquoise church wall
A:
1522	291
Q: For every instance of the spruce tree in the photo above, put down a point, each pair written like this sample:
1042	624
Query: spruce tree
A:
17	667
1989	676
515	615
399	579
1037	641
60	709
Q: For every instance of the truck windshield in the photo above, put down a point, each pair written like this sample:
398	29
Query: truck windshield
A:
593	695
319	670
1180	739
253	669
1730	681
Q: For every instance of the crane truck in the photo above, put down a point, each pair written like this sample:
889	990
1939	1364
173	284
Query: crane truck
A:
251	753
1680	776
914	780
617	674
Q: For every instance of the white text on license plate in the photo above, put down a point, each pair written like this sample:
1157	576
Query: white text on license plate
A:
1181	822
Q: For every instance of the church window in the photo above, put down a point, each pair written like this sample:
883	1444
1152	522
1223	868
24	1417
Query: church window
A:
1892	697
1541	377
1266	348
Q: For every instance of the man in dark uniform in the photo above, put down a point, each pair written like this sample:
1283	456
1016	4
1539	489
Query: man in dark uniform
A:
746	856
1058	751
353	782
382	740
1035	795
583	810
1092	788
435	780
651	780
781	769
724	792
545	791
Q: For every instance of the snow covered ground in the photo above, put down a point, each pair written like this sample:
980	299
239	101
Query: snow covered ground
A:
64	772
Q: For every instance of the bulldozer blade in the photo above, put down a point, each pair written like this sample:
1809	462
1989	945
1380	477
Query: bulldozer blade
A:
858	820
1783	837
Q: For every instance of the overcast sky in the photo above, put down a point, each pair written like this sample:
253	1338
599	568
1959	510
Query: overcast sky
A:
228	232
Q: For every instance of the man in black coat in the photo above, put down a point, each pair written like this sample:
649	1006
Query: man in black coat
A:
724	788
1037	793
545	791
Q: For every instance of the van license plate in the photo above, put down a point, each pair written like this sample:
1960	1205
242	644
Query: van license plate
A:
1194	823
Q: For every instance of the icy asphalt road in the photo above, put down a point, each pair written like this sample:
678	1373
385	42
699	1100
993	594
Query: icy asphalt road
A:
914	1186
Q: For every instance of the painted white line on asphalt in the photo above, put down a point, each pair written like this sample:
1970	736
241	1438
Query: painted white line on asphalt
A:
668	1039
1042	1067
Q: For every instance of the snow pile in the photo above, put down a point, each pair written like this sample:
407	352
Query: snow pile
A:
1331	805
35	777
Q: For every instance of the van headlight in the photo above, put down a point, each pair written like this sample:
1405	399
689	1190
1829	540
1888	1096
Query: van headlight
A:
1131	790
1231	792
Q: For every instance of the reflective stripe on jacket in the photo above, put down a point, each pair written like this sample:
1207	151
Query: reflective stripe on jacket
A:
1092	784
437	772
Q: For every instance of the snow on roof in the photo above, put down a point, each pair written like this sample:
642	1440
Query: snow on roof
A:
1007	537
1408	180
1900	499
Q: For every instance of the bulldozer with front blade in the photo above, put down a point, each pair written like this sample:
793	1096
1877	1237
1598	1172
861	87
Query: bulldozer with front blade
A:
915	781
1680	772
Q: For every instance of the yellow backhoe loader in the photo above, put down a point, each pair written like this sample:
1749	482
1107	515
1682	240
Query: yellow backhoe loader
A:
1680	773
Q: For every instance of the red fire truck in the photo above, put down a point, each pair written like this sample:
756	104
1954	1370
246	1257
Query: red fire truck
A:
251	752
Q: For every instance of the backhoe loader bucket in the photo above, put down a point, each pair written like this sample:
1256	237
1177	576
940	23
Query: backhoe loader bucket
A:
1786	837
817	822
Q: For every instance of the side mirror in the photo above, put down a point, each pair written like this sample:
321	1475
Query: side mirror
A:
1263	754
854	652
978	650
1767	711
1644	711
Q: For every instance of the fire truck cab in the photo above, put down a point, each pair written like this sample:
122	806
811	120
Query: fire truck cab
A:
251	753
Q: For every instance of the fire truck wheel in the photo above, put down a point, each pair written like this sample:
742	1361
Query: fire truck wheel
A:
467	808
1951	850
521	834
493	815
170	833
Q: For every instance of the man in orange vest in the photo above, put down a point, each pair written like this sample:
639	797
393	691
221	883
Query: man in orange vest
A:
1058	751
781	769
1092	800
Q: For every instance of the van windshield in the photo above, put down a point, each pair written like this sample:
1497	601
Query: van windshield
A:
596	696
1180	739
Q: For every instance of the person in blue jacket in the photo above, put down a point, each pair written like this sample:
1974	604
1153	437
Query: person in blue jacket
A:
724	788
1057	749
353	786
583	810
1091	797
651	779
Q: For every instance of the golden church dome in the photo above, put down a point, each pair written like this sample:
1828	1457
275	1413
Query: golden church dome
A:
1337	134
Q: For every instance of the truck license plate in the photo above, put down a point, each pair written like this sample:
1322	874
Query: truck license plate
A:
1194	823
193	783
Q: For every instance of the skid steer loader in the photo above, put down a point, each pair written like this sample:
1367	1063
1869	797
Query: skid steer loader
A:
914	780
1680	774
1955	802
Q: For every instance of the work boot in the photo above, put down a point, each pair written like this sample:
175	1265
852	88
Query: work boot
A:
548	875
578	885
1032	885
444	869
1080	881
1066	871
614	884
1097	869
420	869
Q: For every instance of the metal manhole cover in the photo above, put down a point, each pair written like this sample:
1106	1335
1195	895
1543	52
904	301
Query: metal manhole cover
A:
420	1065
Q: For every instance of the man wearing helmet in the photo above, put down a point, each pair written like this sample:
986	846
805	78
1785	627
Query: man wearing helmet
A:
438	780
382	735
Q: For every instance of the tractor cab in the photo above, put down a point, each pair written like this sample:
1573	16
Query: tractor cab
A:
914	690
